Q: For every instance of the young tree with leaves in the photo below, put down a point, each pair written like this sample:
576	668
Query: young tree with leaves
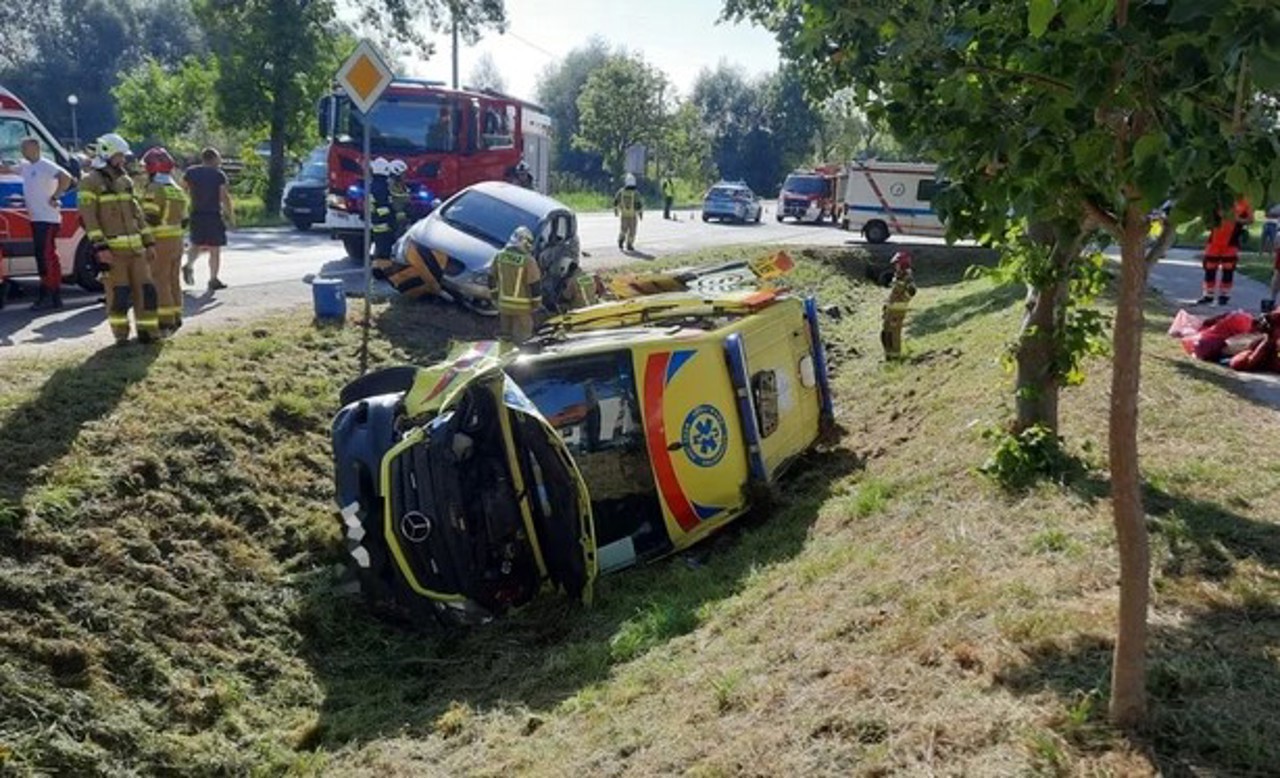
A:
486	75
620	107
1097	108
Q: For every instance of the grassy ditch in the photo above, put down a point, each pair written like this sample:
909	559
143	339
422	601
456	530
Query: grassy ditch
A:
168	599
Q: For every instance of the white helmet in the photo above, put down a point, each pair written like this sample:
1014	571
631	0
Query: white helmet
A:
630	179
380	167
521	238
522	166
112	144
397	167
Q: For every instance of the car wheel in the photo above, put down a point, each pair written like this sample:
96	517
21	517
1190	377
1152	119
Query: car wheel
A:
302	224
876	231
86	268
388	380
354	244
759	213
706	218
779	218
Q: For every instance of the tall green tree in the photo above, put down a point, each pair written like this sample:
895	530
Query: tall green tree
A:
64	47
162	104
558	88
620	107
1065	108
686	145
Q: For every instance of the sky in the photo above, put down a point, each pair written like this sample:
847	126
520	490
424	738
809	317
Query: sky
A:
681	37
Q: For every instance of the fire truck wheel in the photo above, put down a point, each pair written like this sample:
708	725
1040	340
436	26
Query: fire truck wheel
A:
355	248
876	231
86	268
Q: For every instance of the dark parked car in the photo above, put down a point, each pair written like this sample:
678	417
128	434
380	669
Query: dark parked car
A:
303	200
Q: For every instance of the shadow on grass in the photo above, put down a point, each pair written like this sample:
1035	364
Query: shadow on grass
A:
1212	675
380	680
1212	682
424	328
952	313
42	429
1261	389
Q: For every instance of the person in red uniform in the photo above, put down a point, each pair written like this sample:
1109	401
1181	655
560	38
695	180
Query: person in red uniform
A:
1222	253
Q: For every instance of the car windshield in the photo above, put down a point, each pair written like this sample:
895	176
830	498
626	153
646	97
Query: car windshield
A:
727	192
808	185
313	171
405	125
487	217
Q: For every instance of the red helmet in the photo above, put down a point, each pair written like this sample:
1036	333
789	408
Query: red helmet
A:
901	259
157	160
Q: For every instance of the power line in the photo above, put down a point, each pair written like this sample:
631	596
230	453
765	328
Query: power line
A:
531	45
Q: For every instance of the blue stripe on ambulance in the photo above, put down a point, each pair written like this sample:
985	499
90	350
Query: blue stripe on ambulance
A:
896	209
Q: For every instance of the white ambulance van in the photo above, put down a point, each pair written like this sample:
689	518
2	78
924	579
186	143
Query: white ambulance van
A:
883	199
74	252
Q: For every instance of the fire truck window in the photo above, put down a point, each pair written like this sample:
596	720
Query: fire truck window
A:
402	125
495	132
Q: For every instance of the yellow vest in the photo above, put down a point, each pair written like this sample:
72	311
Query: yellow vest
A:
516	273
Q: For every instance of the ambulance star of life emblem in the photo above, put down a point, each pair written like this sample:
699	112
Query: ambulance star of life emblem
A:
704	436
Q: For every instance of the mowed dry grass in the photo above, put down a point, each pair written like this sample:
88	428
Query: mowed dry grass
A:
169	604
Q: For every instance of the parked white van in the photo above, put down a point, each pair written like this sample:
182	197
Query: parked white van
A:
891	198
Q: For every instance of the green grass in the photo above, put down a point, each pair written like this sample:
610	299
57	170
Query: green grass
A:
169	602
250	212
1258	266
585	200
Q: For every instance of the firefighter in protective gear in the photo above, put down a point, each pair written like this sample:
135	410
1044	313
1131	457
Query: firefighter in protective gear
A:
901	290
579	291
519	279
628	206
396	169
121	239
165	207
382	226
1222	253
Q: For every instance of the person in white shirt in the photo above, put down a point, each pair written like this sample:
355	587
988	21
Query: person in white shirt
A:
43	184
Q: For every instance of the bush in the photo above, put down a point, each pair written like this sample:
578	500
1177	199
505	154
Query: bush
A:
1022	459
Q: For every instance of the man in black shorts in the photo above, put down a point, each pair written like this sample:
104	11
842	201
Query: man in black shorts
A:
210	215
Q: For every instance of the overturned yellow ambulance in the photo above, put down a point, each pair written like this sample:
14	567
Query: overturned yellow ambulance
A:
621	433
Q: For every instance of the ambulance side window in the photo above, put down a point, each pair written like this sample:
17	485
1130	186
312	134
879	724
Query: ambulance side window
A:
764	393
12	131
926	189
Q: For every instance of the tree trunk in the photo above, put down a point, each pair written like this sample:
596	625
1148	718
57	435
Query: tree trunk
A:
1037	381
1128	707
275	165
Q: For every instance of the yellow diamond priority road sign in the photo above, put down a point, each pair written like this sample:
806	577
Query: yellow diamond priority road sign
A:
364	76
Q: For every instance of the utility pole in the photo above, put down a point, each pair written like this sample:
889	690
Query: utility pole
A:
453	14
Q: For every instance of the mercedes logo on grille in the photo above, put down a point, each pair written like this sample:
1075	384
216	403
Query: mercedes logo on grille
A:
415	527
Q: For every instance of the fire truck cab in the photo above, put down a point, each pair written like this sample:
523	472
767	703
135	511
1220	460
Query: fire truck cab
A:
74	252
449	139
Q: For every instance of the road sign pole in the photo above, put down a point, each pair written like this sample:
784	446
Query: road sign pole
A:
368	264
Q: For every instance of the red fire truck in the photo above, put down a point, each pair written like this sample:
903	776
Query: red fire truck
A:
813	195
449	139
74	253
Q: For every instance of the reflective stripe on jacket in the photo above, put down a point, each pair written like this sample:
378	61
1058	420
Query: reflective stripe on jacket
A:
627	201
165	206
110	212
517	272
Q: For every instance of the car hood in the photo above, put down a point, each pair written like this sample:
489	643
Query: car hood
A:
436	234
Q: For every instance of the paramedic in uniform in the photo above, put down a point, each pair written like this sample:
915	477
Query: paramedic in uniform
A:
519	279
43	184
1222	252
123	243
901	290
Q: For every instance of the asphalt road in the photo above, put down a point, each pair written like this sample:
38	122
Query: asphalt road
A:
268	270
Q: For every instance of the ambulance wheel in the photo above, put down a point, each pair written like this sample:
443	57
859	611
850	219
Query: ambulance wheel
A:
354	244
302	224
876	232
86	268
